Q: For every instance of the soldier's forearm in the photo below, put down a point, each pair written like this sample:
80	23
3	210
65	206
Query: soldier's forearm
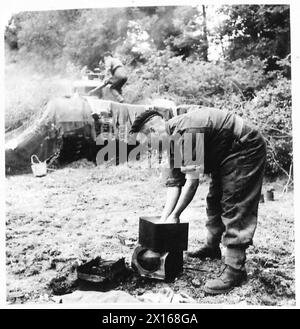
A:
186	196
173	194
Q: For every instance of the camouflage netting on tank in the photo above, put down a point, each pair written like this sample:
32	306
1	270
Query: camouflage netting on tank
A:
62	116
69	126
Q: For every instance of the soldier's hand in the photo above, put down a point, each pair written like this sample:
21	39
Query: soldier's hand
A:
172	219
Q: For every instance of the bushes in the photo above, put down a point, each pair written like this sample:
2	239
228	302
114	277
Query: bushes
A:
193	81
224	85
271	110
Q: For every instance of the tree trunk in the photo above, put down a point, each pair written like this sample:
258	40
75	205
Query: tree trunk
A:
205	39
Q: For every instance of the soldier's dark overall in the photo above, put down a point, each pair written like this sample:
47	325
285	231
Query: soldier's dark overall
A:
234	154
118	77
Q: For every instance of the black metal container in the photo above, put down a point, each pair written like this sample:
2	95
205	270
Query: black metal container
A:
159	236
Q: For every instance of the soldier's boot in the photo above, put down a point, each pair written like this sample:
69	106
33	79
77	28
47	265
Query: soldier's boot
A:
207	251
117	95
226	281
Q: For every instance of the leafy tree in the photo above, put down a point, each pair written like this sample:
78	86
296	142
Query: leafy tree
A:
78	35
95	32
259	30
180	29
11	32
43	32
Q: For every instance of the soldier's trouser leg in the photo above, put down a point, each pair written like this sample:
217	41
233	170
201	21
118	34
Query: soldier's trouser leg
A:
117	81
117	95
214	224
241	178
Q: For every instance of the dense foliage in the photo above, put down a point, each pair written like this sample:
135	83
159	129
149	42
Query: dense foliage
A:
167	52
240	86
265	30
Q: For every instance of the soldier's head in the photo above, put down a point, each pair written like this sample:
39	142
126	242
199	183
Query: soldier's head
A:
150	122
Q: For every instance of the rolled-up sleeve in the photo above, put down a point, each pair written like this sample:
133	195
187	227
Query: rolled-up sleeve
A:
175	178
192	172
174	175
191	147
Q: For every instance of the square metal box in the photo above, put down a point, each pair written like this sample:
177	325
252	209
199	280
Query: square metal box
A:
159	236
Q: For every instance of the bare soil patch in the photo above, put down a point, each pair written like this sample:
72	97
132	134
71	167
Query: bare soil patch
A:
79	212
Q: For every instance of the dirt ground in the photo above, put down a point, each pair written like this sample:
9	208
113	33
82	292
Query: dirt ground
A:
81	211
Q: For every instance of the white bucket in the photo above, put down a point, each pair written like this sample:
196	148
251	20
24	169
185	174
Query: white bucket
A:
39	168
